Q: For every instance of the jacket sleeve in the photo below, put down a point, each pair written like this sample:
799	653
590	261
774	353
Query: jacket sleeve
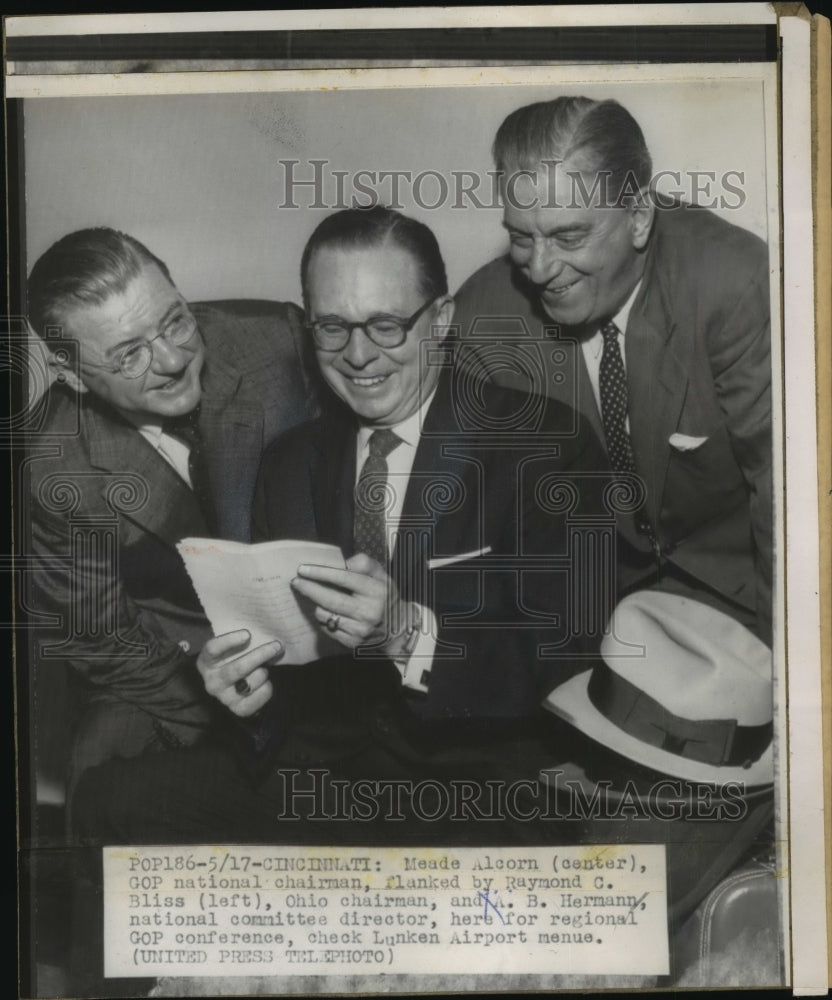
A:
740	356
90	622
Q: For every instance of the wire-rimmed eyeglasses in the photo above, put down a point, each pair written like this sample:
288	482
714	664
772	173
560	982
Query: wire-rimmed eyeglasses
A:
135	361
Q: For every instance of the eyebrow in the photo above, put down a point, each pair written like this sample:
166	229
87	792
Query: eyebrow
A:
127	344
328	317
567	228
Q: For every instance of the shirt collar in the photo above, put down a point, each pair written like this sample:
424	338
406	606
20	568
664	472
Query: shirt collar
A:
595	343
622	317
151	429
409	430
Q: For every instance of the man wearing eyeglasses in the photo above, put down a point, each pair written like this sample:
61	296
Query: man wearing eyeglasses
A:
455	504
153	431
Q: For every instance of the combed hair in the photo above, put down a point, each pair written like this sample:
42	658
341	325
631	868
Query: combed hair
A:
361	228
591	135
84	268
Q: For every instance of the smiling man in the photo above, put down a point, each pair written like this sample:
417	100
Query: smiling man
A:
652	320
457	505
152	431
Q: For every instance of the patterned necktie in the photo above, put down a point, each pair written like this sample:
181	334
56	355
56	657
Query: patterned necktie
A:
186	428
612	381
370	525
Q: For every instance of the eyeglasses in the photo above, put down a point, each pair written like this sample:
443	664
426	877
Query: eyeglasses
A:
136	360
333	333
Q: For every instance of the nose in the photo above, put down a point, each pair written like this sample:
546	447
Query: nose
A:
167	357
359	350
544	263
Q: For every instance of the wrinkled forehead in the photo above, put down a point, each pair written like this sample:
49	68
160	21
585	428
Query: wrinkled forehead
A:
574	183
137	311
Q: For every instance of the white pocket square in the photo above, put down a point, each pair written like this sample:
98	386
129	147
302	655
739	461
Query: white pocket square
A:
684	442
448	560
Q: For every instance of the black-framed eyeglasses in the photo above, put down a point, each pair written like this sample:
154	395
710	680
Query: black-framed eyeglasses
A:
135	361
332	333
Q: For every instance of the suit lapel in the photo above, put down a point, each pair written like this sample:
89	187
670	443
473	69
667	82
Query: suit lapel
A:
332	471
232	430
144	487
580	394
567	378
425	529
657	383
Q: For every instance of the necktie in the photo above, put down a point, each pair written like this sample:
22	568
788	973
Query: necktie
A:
186	428
613	389
612	381
370	525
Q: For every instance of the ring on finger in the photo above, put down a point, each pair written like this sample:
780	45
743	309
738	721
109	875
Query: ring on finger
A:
332	623
242	686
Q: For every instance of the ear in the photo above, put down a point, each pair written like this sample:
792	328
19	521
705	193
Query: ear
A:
641	219
63	372
444	316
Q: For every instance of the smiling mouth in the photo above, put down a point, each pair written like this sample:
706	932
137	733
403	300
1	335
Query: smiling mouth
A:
367	382
558	290
173	382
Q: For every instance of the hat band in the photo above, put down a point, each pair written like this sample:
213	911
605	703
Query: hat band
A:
711	741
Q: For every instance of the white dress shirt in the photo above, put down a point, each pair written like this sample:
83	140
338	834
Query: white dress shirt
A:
172	449
415	670
594	348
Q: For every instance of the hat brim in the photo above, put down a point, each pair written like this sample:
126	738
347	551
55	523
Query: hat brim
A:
570	701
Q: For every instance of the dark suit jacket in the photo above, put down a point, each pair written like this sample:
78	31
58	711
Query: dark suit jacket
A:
109	591
698	364
496	470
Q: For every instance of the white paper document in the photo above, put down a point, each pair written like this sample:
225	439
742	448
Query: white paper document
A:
249	586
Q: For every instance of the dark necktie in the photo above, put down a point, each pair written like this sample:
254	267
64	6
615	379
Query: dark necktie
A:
612	380
370	525
613	390
186	428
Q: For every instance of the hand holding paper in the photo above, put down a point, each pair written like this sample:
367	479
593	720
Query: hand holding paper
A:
356	604
240	682
249	587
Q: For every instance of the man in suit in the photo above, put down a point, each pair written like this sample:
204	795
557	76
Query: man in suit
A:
152	431
456	604
653	320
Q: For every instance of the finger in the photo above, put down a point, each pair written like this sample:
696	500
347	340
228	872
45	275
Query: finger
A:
344	624
332	601
223	646
251	704
245	686
366	566
346	579
219	678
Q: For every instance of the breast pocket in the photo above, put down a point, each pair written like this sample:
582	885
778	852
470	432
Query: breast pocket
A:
702	482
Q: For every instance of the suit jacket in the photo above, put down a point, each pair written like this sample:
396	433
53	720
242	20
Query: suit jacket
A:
500	481
109	591
697	350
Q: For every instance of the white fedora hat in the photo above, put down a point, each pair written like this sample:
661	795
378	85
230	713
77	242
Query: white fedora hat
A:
683	689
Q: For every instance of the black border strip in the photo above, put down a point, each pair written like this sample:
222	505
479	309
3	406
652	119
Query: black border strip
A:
644	43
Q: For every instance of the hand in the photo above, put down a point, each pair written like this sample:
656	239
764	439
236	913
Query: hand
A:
237	676
362	600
